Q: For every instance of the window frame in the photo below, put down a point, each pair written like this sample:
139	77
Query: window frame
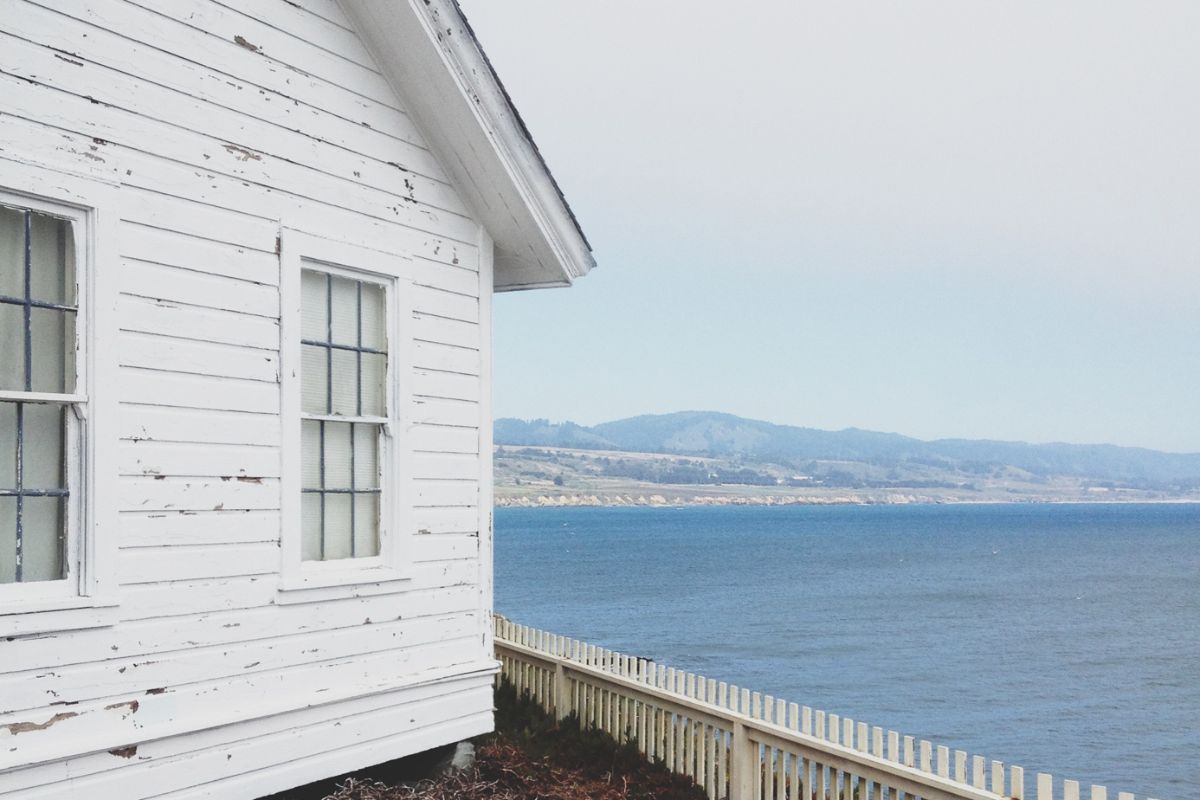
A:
86	597
304	581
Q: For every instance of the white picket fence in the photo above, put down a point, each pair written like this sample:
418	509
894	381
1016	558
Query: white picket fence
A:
744	745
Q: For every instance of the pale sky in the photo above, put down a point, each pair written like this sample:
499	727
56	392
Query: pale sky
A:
943	219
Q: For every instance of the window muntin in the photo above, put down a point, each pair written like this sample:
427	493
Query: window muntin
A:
344	412
38	404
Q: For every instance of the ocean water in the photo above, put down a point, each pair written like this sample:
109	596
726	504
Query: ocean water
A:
1064	638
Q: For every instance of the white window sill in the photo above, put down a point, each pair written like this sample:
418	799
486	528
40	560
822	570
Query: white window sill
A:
32	617
310	586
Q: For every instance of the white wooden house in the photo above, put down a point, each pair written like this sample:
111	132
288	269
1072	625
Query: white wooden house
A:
247	255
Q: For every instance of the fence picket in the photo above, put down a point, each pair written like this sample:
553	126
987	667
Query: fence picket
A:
756	775
722	787
781	775
1070	790
768	771
671	760
711	761
1045	787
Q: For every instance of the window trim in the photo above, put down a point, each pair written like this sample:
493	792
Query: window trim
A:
87	597
305	581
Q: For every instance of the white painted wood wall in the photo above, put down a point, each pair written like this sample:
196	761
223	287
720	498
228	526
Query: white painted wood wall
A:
219	121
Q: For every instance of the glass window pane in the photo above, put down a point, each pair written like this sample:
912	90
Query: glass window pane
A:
337	526
51	278
314	311
69	333
8	445
374	378
345	311
53	332
12	353
366	525
366	456
310	527
374	317
345	383
12	252
42	463
314	379
337	455
8	539
42	539
310	454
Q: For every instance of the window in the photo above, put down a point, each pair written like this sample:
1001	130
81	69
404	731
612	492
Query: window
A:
344	350
343	378
40	408
58	434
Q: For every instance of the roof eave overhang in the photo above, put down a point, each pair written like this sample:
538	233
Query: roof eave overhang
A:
428	52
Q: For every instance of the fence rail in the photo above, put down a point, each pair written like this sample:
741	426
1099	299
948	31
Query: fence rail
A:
744	745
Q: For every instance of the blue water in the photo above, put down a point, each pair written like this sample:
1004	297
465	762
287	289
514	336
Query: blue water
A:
1063	638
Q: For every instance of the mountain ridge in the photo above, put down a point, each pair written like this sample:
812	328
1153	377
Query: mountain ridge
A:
719	434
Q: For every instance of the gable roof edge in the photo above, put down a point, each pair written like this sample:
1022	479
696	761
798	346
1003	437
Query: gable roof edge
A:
429	52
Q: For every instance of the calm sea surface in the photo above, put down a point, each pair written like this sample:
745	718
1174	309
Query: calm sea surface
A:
1065	638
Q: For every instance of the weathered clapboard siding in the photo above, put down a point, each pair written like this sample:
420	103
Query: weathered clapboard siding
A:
221	122
191	357
194	460
447	358
94	725
411	714
184	321
200	181
143	422
158	282
165	529
137	675
168	248
434	438
178	106
157	635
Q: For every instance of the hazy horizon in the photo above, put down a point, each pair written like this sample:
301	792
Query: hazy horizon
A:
944	220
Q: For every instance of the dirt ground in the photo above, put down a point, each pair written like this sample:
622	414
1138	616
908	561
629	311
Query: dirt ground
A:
532	758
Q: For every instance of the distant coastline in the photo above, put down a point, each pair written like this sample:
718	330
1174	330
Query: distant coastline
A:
692	459
661	501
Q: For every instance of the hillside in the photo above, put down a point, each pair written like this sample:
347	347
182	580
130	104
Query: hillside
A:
700	454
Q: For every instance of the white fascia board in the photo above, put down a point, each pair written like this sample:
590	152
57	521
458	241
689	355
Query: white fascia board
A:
427	52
